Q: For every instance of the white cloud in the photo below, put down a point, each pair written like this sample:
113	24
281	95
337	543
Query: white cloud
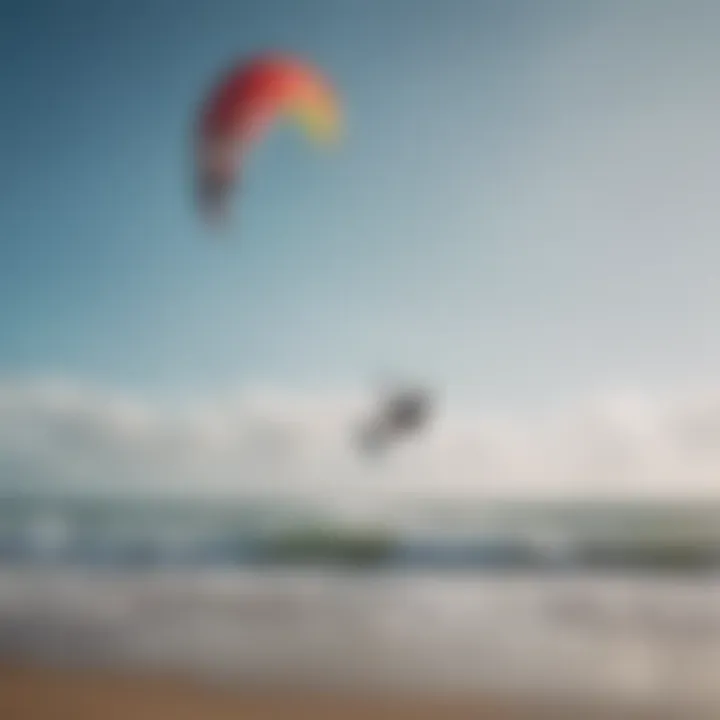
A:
65	435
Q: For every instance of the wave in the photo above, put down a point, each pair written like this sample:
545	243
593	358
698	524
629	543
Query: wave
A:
112	532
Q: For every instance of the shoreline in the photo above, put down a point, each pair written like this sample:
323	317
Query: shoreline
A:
31	691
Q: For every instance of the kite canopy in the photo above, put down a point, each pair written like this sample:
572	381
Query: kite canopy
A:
244	105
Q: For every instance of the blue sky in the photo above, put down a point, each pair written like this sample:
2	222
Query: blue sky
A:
523	212
524	206
381	256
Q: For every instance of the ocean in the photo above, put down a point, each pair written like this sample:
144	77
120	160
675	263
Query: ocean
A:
195	596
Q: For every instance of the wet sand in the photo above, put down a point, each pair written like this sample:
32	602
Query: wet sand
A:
33	693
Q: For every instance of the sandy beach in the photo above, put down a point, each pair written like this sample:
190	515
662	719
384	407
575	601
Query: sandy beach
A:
36	693
186	645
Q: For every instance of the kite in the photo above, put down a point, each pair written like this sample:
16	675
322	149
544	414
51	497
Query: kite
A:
242	108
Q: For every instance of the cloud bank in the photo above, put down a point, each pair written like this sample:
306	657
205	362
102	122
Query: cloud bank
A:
65	435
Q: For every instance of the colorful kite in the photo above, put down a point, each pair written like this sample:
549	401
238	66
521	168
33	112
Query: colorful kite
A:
242	108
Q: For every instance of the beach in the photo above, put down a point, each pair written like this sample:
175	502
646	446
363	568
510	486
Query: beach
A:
41	693
78	644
